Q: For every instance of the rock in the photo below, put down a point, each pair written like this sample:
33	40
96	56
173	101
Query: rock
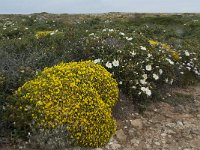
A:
170	131
137	123
157	143
142	145
115	146
195	131
195	143
135	142
171	125
131	132
125	127
98	149
163	134
120	135
180	123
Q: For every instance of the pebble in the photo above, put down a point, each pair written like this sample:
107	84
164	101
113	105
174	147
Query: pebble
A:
115	146
135	142
157	143
180	123
163	134
121	135
137	123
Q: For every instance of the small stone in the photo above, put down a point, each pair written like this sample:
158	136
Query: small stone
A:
195	143
142	145
171	125
170	132
163	134
180	123
163	141
131	132
169	136
120	135
195	131
135	142
148	146
157	143
137	123
115	146
125	127
98	149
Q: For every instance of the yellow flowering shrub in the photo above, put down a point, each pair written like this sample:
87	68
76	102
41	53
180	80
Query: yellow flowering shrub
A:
42	34
175	55
79	95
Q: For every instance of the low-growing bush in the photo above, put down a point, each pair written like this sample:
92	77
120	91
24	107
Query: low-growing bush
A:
140	65
78	95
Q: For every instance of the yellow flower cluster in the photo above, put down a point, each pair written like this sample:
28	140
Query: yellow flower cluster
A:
175	55
42	34
79	95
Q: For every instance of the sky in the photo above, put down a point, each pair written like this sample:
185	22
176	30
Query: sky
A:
98	6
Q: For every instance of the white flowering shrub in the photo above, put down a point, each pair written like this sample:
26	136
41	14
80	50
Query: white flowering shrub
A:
140	65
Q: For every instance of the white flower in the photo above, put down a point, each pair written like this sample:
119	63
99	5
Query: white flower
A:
146	90
170	61
133	53
171	82
121	33
143	48
109	65
97	60
129	39
52	33
104	30
187	53
160	71
149	55
166	80
92	34
155	76
115	63
188	68
26	28
134	87
143	89
144	76
120	82
143	81
110	30
148	68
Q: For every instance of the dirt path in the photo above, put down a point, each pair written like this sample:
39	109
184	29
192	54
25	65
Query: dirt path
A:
170	125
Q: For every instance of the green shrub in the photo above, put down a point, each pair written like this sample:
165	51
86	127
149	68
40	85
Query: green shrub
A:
78	95
140	65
